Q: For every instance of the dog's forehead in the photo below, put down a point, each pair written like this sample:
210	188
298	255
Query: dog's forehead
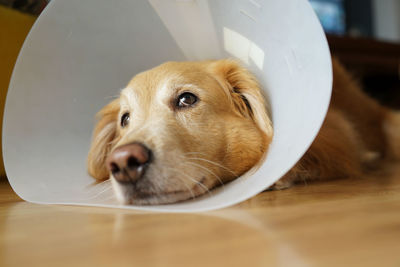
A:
167	77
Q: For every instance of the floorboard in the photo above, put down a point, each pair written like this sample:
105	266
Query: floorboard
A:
349	222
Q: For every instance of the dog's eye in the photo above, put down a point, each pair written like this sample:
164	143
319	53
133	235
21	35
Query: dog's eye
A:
186	100
125	119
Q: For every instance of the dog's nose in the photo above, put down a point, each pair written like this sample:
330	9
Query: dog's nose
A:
128	163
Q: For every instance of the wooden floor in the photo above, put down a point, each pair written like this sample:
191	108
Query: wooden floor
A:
335	223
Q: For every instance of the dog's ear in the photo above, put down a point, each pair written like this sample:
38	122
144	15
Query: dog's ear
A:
244	91
104	136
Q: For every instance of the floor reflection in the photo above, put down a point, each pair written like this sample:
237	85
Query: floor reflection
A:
342	220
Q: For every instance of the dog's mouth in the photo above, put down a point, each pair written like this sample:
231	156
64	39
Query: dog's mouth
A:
141	176
131	193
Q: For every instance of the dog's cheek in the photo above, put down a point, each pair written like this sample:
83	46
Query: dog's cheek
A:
246	146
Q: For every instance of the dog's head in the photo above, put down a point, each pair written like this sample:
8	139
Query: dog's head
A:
179	130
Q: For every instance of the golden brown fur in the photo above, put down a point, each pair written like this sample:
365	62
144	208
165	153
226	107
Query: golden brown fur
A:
227	132
195	149
357	135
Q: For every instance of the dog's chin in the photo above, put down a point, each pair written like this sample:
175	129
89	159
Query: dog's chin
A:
129	194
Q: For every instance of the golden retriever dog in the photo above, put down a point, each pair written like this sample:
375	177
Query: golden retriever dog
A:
179	130
183	128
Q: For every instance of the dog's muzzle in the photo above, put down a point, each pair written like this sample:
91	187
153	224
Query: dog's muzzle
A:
128	163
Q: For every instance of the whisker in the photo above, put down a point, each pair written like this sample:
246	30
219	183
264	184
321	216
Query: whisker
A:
216	164
93	187
193	180
198	182
209	171
191	153
108	181
104	190
183	181
185	184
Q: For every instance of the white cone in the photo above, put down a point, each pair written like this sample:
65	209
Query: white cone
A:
79	54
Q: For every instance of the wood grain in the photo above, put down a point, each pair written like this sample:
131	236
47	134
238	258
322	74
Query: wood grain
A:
336	223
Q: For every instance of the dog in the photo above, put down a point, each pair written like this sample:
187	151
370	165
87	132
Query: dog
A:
179	130
183	128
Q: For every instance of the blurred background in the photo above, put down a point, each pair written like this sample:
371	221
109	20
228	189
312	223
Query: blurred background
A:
363	34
